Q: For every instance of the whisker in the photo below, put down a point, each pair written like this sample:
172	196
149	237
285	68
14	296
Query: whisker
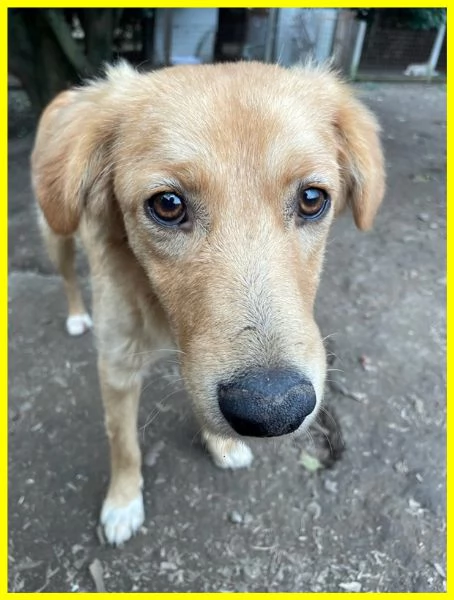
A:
329	416
152	416
311	439
168	383
153	351
197	434
330	335
336	429
326	436
156	350
337	357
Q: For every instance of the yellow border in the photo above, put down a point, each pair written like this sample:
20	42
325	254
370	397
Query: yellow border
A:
176	4
4	251
4	304
449	247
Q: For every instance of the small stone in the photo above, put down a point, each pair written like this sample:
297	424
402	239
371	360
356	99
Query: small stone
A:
351	586
79	563
417	402
100	535
366	363
235	517
330	486
420	178
360	397
97	573
401	467
439	569
314	507
152	455
251	571
424	217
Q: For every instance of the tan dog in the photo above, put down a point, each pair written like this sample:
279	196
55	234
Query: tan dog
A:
204	196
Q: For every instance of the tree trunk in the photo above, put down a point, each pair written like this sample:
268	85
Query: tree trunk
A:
36	58
44	56
99	24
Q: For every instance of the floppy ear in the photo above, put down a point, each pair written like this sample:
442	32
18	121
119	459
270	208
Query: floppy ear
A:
361	158
70	159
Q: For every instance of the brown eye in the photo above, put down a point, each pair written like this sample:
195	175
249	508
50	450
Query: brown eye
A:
167	209
313	203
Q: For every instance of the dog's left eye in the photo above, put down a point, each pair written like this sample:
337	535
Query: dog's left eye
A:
312	203
167	209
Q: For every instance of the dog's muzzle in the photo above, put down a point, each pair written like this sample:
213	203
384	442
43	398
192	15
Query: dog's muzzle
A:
267	402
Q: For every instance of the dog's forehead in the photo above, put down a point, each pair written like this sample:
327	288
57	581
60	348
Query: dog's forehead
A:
234	114
231	124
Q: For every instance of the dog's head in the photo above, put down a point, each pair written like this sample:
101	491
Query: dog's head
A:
226	179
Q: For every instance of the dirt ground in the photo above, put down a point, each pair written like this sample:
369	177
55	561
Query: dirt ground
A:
374	521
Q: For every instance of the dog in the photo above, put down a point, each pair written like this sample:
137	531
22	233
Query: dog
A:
420	70
203	196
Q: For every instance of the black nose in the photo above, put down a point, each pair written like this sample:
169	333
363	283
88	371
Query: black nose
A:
266	402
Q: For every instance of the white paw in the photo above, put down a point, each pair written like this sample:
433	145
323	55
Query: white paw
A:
121	523
238	457
78	324
228	453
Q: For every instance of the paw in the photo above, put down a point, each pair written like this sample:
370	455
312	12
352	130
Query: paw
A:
228	453
78	324
122	522
239	456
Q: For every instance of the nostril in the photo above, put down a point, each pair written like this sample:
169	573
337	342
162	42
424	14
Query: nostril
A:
267	402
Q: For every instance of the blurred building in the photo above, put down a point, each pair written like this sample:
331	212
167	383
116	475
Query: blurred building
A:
292	35
286	35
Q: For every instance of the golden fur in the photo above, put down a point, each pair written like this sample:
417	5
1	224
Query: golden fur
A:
238	290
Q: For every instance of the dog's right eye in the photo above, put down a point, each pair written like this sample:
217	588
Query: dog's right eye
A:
167	208
312	204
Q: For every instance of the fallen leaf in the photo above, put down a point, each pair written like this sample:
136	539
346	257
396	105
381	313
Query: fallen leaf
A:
309	462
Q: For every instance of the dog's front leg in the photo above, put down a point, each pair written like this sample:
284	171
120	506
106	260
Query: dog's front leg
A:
122	512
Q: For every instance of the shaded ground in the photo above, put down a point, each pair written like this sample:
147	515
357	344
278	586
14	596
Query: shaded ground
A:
375	521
